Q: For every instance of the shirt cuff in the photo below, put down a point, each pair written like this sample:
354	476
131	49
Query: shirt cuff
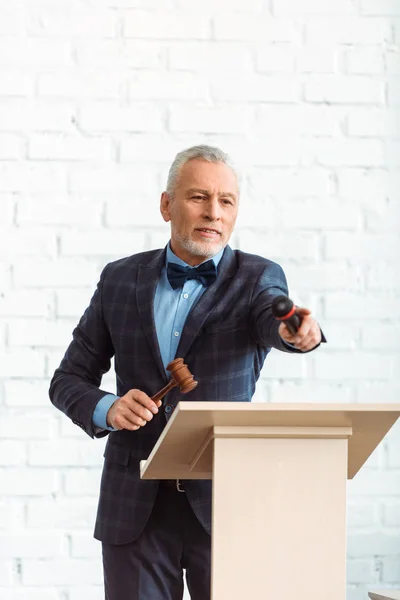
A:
100	412
291	347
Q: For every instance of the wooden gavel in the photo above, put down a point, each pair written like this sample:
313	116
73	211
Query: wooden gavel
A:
180	375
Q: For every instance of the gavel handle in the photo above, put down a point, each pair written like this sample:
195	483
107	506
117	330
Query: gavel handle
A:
164	391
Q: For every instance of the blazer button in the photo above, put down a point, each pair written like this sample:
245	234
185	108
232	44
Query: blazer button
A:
168	409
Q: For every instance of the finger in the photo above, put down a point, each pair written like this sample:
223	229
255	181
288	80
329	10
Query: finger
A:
122	423
131	410
303	330
310	341
286	334
140	411
138	418
130	414
119	421
145	400
132	401
306	344
303	311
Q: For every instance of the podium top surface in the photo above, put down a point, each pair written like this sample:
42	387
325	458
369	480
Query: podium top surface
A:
385	595
192	422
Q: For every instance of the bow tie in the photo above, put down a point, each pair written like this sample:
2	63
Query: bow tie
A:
178	275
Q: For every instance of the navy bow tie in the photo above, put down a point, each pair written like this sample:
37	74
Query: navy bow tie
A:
178	275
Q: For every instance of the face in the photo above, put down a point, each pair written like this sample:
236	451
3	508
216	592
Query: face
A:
203	210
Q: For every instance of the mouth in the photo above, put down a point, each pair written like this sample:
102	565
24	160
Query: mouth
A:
208	233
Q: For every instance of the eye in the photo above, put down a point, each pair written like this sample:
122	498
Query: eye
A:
227	201
197	197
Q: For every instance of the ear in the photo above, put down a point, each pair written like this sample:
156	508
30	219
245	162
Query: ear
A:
165	204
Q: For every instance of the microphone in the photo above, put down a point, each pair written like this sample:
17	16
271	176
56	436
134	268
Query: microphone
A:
284	310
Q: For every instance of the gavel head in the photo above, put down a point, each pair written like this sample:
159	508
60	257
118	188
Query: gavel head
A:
181	375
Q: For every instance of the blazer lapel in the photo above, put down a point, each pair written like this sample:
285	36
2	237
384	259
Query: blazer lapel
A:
199	313
148	276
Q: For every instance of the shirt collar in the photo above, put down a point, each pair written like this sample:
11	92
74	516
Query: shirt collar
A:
171	257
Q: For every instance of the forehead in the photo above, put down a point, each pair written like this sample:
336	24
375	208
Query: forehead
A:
204	174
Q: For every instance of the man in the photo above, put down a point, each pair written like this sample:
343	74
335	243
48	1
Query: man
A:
147	309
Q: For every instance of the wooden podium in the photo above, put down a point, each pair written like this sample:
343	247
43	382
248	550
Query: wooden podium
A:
279	476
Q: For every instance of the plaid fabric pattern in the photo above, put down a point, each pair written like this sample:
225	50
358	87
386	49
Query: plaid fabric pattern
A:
225	341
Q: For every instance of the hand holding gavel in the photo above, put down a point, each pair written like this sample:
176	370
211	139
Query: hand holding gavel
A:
135	408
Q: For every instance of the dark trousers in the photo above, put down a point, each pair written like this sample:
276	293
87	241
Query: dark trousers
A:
150	568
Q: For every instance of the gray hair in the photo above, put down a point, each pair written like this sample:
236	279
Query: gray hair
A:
203	152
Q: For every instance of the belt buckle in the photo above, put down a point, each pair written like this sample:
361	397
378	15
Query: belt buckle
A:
178	486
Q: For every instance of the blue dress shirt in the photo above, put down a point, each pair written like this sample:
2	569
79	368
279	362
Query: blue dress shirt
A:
171	308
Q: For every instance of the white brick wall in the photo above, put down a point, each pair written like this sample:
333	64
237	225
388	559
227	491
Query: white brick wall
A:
96	97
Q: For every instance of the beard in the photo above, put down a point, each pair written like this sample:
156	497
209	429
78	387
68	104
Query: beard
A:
204	249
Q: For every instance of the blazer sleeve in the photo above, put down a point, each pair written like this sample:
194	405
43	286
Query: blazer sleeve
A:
74	388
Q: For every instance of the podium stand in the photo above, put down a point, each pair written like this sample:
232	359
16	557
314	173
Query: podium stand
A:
279	476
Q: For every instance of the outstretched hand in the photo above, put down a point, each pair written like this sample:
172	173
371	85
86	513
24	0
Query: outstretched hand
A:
307	337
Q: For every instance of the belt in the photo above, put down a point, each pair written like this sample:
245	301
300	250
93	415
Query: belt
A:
173	484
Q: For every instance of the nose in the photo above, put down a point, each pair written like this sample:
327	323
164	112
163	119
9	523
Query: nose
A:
212	209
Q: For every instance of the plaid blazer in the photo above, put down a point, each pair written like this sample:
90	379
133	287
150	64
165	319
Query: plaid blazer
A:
225	341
